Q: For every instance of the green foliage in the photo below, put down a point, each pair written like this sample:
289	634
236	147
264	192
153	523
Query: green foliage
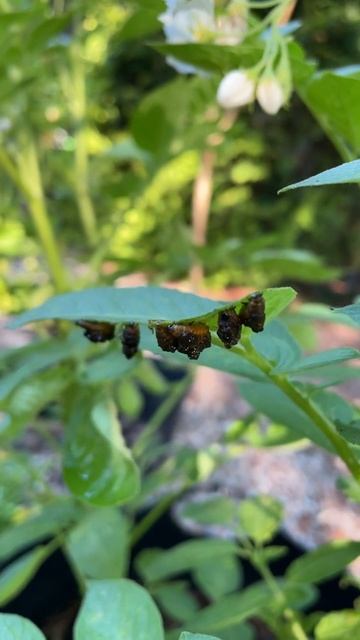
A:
16	576
215	580
157	565
110	604
176	600
341	625
324	562
53	518
144	305
345	173
98	467
260	518
98	545
352	311
99	178
218	510
15	627
231	610
195	636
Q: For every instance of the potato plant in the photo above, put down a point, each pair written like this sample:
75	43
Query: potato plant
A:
89	359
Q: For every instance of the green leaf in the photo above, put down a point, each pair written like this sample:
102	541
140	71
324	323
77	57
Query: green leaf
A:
140	24
176	599
183	557
47	30
121	607
314	311
348	172
98	545
340	625
53	518
274	552
239	632
231	610
350	487
143	304
155	122
277	345
260	518
292	263
32	359
352	311
243	631
271	401
339	116
322	359
129	397
351	432
333	405
26	401
216	358
217	510
13	627
195	636
98	467
216	580
108	366
16	575
324	562
297	595
212	57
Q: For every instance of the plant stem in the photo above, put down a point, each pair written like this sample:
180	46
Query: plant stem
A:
201	202
152	516
320	420
31	176
27	178
288	9
177	391
296	629
81	177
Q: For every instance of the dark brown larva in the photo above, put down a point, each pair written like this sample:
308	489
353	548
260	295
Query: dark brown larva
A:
229	327
97	331
165	337
190	339
130	338
253	315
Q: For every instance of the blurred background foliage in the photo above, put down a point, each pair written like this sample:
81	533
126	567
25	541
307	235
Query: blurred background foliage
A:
101	142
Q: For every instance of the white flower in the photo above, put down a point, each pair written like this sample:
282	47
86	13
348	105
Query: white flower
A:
236	89
270	94
187	21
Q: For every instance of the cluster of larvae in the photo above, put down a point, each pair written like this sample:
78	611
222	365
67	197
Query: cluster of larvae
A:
251	315
104	331
190	339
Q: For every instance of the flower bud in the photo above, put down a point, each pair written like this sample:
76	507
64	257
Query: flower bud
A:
270	94
236	89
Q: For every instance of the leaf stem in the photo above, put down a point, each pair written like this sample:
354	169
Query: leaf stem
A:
320	420
176	393
152	516
297	632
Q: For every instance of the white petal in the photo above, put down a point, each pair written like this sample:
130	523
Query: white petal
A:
235	90
270	95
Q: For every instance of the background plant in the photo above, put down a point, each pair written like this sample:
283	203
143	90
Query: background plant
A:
103	165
